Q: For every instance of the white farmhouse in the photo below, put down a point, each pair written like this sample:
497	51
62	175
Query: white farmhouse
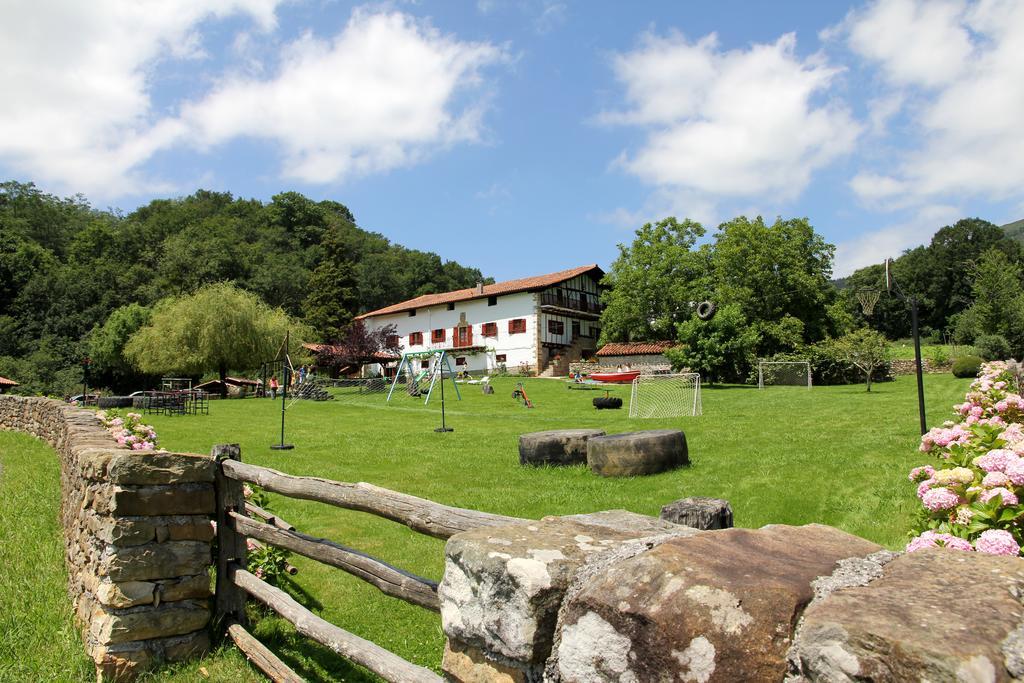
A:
531	325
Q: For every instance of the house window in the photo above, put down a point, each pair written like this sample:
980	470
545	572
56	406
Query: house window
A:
575	328
424	364
517	325
415	339
451	306
500	358
492	301
556	327
463	335
489	329
392	341
437	336
412	313
460	360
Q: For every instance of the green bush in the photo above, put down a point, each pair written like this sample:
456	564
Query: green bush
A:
828	368
968	366
992	347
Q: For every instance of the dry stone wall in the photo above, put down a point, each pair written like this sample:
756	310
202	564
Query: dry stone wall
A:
137	536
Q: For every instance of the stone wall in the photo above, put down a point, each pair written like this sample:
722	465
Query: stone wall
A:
137	536
907	366
616	596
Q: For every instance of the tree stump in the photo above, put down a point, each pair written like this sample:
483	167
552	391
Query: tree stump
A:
699	512
635	453
556	447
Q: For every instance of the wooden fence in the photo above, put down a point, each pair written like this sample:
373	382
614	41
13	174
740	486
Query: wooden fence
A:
235	584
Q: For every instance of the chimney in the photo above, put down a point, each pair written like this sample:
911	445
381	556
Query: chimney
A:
479	288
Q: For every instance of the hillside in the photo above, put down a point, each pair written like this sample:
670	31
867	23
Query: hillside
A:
1015	230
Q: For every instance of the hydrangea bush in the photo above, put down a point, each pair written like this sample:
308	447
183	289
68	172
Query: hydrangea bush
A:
971	498
129	430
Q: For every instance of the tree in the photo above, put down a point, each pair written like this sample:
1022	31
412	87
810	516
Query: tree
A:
655	282
333	297
218	328
107	343
357	344
865	348
998	302
723	348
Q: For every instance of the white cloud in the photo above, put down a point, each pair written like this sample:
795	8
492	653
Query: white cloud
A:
379	95
75	76
961	67
740	123
875	246
79	82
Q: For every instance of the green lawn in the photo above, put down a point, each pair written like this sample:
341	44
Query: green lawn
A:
835	455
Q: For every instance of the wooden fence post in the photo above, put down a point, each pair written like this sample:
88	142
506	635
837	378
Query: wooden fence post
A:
231	545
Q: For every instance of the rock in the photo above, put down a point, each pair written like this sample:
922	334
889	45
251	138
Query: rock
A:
154	500
699	513
636	453
716	606
466	664
155	561
556	447
160	468
503	586
935	614
143	623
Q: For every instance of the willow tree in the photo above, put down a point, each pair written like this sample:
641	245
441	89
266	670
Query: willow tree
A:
219	327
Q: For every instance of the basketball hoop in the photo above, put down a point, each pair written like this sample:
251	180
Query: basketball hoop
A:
868	298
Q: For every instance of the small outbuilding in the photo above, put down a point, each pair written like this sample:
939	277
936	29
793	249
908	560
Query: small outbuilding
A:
6	385
648	357
234	387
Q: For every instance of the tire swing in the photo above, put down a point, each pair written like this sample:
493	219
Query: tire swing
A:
706	310
607	402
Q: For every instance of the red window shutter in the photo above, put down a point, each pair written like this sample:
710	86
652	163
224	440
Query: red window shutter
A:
469	335
511	326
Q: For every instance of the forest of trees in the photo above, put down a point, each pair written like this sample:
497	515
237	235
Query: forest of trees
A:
68	269
774	295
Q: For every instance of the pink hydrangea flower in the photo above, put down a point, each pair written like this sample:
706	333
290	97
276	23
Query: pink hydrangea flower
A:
1015	471
931	539
1008	496
996	460
997	542
919	473
940	498
924	487
993	479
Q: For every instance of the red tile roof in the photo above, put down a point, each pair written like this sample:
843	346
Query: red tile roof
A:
525	284
8	382
635	348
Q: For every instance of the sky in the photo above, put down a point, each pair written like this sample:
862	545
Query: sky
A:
529	136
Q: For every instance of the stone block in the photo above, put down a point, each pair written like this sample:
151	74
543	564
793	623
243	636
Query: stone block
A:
935	614
715	606
134	593
154	561
637	453
185	499
503	586
699	513
109	627
128	467
465	664
129	531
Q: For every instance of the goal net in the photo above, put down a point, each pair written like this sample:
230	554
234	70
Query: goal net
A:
665	396
794	373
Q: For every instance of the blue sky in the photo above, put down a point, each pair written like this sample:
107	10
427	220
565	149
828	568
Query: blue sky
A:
527	136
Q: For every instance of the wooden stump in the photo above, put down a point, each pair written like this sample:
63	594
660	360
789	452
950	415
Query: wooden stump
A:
699	513
556	447
636	453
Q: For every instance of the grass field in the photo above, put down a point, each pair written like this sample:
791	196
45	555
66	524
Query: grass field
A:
835	455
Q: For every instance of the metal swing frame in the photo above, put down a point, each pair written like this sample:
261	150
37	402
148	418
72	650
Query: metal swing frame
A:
442	362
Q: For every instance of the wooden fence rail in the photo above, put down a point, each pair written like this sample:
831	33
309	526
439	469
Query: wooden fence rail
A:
234	583
419	514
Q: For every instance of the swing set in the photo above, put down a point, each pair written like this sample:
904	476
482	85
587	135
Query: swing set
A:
440	364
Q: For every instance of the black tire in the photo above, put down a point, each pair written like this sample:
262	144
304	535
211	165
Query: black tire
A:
114	402
706	310
607	402
556	447
637	453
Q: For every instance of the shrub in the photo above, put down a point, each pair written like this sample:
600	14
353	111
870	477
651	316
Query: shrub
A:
968	366
828	367
992	347
940	356
971	498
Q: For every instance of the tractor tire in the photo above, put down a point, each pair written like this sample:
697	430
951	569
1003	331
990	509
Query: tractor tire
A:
557	447
607	402
706	310
637	453
114	402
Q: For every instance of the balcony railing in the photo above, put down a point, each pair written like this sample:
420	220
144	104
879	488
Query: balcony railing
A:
570	302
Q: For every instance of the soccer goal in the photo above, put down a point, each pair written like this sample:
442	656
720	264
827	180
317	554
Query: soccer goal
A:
665	396
795	373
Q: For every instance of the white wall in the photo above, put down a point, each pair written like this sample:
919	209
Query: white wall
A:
518	348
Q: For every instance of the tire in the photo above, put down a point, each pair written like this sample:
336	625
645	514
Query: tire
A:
637	453
607	402
114	402
706	310
557	447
